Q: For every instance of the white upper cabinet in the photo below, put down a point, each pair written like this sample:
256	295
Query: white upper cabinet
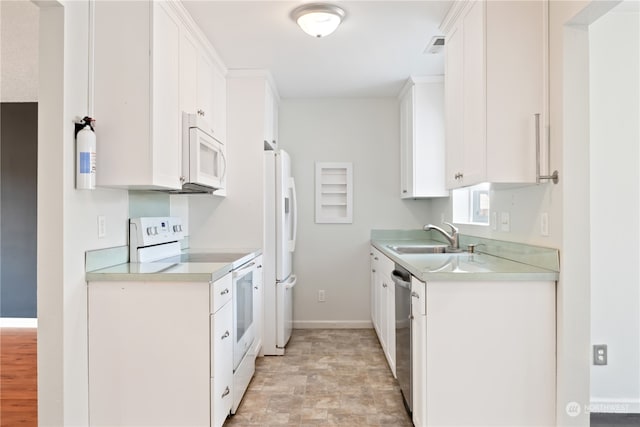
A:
270	117
422	143
136	95
188	72
495	85
155	65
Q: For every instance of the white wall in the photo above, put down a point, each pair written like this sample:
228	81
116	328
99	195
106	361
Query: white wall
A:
615	208
19	51
335	257
67	218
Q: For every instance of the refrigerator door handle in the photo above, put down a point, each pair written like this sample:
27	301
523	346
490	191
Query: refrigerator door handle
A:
292	242
291	282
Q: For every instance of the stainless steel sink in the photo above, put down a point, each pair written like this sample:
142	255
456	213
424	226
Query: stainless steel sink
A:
418	249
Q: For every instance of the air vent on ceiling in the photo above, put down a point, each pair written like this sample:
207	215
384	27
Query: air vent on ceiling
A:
435	45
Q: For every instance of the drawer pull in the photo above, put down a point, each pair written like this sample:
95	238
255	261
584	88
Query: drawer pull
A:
226	392
415	295
226	335
226	291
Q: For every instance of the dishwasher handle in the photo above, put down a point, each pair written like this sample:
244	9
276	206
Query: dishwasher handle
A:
399	280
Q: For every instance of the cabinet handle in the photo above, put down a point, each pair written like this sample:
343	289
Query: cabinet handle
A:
373	270
225	335
226	392
376	258
274	142
415	295
459	175
255	287
260	266
404	191
201	113
384	285
554	176
183	179
226	291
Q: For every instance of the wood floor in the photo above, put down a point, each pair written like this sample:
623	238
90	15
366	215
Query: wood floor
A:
18	377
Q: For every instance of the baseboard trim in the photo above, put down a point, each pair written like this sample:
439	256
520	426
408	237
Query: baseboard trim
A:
18	322
615	406
332	324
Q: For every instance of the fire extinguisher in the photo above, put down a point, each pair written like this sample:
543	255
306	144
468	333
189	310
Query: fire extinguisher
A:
85	155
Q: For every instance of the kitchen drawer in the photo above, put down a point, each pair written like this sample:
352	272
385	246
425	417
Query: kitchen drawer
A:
221	364
221	292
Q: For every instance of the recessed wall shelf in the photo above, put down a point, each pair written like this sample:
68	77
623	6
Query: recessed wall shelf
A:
334	192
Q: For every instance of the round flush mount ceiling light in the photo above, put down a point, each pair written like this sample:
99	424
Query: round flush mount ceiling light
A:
318	19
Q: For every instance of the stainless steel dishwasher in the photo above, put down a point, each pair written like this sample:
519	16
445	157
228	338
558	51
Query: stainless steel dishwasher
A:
402	280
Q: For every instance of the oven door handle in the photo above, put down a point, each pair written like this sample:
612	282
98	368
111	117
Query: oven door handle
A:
241	272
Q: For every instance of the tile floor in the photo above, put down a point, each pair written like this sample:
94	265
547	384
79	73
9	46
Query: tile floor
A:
336	377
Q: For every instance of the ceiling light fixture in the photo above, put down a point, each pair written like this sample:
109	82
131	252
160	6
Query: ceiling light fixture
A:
318	19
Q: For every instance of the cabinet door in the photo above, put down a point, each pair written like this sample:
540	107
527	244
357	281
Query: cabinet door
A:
453	108
374	289
219	105
406	144
258	305
167	150
419	351
474	95
270	116
222	364
205	87
516	74
188	72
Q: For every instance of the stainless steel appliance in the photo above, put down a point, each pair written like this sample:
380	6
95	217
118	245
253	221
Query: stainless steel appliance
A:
279	245
402	281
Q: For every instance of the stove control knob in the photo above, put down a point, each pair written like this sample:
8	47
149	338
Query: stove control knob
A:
149	231
155	231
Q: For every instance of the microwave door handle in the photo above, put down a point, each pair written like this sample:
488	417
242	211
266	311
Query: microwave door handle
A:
224	164
294	207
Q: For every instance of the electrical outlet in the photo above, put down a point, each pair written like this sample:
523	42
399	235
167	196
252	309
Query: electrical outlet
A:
102	226
441	218
494	220
544	224
505	222
600	354
321	296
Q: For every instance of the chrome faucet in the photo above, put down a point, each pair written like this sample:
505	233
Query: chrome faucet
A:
451	238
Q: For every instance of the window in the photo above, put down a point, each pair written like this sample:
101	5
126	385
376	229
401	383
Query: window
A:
471	205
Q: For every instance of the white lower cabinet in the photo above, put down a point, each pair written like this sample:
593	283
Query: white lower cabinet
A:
221	364
149	360
484	353
161	353
384	309
419	351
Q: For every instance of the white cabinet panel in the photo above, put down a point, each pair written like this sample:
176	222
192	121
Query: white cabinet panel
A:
148	354
188	72
222	337
419	352
136	95
496	82
384	310
422	140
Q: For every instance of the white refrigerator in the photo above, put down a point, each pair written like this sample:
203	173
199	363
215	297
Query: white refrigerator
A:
279	244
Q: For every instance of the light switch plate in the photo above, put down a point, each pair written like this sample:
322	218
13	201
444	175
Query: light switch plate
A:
505	222
544	224
494	220
102	226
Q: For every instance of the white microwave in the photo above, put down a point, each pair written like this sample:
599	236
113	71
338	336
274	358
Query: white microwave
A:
203	157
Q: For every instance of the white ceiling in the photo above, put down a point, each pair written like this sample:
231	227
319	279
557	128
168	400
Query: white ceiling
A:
379	44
